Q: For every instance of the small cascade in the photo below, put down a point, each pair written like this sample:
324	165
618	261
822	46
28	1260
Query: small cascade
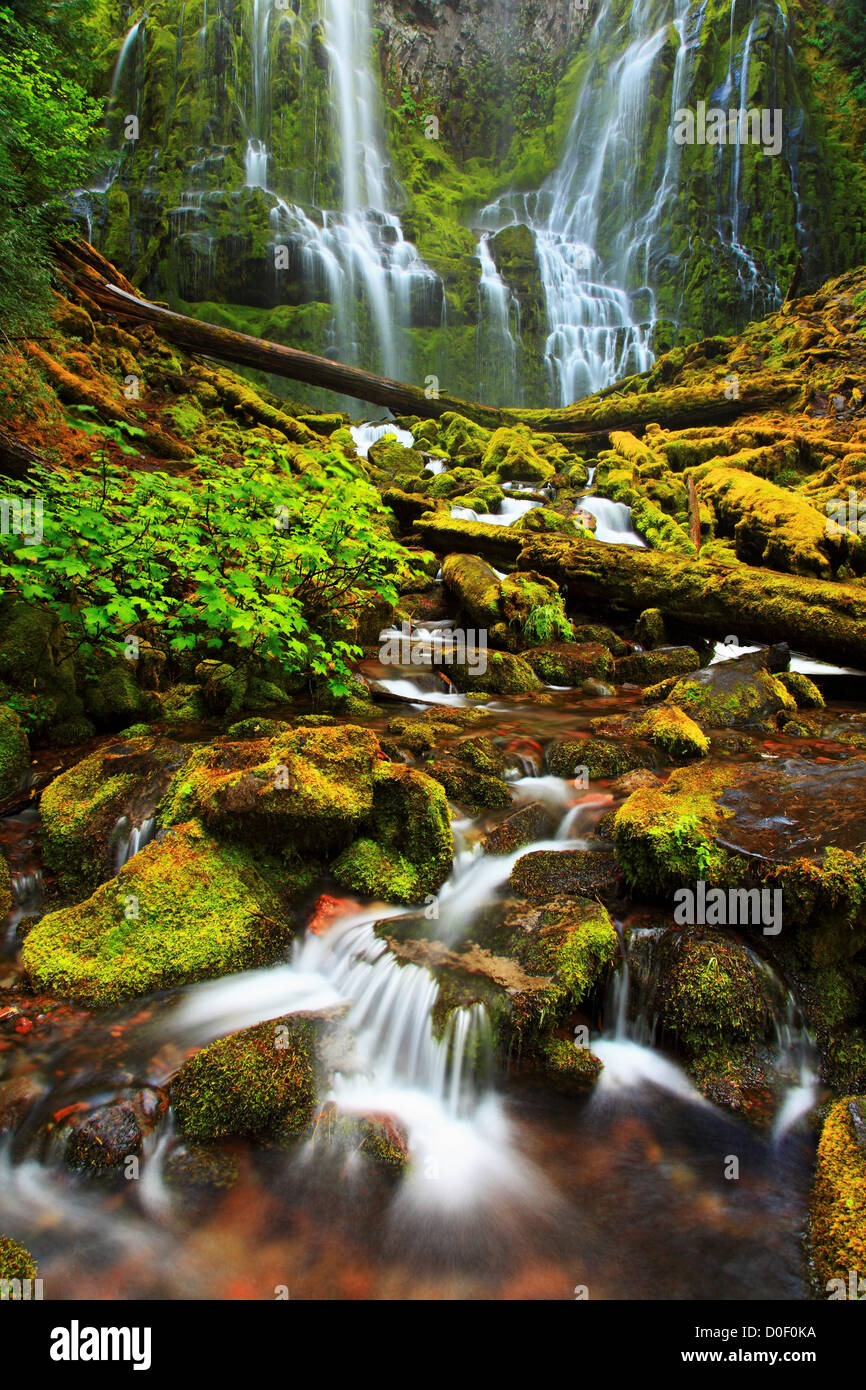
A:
127	839
368	434
510	509
613	521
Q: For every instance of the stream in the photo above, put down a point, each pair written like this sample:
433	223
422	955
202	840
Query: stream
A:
512	1190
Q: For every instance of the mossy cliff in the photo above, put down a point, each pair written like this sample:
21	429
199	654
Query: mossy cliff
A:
475	103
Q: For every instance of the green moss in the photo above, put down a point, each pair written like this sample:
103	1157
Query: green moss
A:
80	807
649	668
600	757
665	836
183	909
666	727
838	1204
506	674
470	787
367	868
15	1261
259	1083
567	1065
805	692
567	663
718	699
14	752
115	700
711	995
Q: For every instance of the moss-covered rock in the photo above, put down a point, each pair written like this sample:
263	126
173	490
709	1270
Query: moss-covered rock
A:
805	692
506	674
838	1204
567	1066
15	1262
544	874
650	629
183	909
648	668
711	996
597	632
512	456
476	587
669	729
14	752
600	757
115	699
81	808
531	822
569	663
260	1083
5	887
472	788
732	696
411	830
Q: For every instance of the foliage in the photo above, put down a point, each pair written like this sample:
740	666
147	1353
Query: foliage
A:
547	624
248	561
48	130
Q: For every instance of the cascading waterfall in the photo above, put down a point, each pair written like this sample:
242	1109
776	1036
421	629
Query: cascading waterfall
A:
356	256
497	347
601	222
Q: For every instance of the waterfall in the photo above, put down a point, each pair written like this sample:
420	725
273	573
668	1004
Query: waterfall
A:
601	221
496	347
591	268
354	256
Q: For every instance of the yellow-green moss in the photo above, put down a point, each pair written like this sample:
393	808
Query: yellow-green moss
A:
838	1206
14	751
185	908
670	729
259	1082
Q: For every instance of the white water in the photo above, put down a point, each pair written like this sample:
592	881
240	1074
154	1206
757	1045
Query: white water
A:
369	434
356	255
613	523
460	1141
806	665
127	840
497	342
510	508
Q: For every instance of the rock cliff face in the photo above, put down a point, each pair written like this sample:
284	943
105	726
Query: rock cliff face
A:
488	193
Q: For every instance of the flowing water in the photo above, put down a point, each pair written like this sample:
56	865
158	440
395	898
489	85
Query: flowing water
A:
601	221
511	1190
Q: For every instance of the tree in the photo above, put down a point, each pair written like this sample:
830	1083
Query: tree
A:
49	129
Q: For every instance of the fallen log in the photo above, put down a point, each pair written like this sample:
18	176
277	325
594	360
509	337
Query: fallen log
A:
77	391
445	535
673	407
16	459
814	616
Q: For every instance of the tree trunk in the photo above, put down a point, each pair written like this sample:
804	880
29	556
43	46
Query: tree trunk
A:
673	407
16	459
823	619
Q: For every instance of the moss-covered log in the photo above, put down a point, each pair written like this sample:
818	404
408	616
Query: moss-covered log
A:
815	616
675	407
